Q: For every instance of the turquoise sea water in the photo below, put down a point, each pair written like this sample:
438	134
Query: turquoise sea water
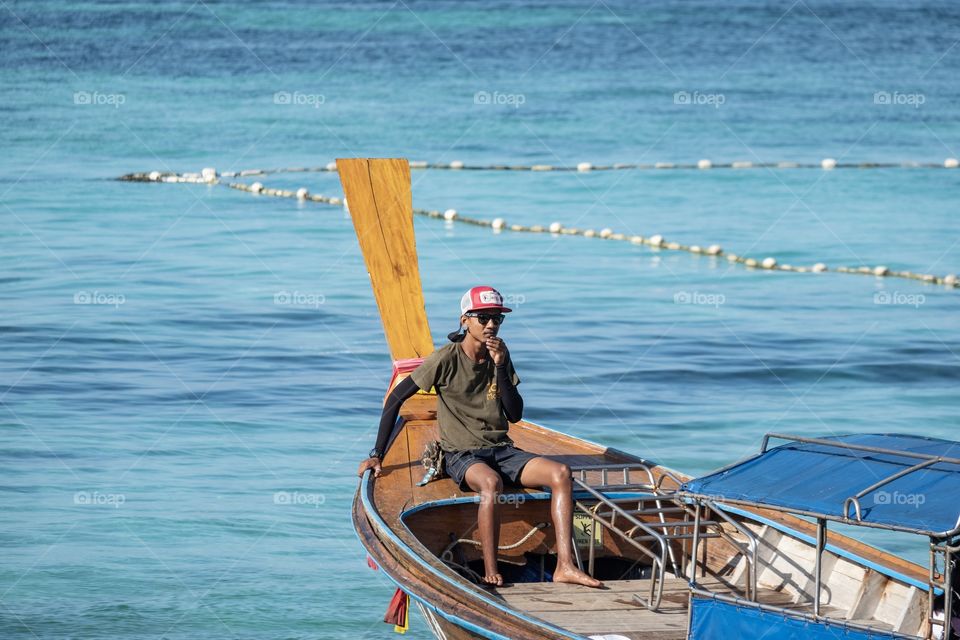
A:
179	456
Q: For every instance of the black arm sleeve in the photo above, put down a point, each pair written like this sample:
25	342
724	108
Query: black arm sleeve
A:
510	398
391	409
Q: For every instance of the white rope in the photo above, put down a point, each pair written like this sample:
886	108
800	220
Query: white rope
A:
447	555
498	225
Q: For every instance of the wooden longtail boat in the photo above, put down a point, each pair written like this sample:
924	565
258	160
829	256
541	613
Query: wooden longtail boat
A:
680	558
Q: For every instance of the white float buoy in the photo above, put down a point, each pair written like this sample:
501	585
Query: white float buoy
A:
331	166
171	179
817	268
209	174
704	164
750	262
732	257
663	165
951	163
456	164
714	250
656	240
154	175
302	193
950	280
741	164
828	164
256	187
584	166
498	223
769	263
589	233
450	214
541	167
880	270
636	239
606	232
418	164
672	245
555	227
335	201
695	249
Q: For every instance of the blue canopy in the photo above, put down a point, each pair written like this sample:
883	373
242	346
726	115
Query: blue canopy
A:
817	476
715	620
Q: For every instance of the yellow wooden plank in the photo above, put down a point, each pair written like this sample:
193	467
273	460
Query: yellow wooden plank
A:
380	202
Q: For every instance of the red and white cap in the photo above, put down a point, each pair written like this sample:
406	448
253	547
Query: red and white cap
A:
482	298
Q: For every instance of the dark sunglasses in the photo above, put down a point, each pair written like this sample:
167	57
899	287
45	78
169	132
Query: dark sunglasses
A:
484	318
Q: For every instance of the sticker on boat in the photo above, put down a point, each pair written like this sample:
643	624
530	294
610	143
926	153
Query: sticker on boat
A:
582	525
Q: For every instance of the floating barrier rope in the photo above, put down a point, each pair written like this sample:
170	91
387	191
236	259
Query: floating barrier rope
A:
583	167
657	241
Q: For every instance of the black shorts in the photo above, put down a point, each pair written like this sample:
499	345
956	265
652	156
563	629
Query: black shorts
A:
507	460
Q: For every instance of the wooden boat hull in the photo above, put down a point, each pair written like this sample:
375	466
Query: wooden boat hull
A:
405	528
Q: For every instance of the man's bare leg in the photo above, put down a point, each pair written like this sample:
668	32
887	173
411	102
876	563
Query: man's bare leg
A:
542	472
485	481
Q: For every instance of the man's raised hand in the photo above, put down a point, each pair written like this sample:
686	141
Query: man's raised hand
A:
497	350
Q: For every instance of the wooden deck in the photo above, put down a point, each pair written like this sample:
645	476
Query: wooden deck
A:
614	611
611	610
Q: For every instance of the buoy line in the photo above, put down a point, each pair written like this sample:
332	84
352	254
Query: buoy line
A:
827	164
656	241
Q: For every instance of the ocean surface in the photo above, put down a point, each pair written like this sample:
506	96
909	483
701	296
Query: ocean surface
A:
190	375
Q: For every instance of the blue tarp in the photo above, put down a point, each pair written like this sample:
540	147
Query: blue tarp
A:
817	478
715	620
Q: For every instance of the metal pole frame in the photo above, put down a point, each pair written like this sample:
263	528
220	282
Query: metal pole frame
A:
948	593
821	543
696	541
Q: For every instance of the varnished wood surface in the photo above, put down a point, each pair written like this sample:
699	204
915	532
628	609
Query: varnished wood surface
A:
381	205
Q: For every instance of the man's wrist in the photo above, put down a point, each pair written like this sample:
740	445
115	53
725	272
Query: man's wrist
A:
375	453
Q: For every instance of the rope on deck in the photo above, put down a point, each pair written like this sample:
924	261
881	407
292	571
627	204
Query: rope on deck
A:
656	241
826	164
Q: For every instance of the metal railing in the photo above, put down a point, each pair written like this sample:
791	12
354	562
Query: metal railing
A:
639	534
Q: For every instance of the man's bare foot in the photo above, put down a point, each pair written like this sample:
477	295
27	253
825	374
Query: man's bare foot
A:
493	579
573	575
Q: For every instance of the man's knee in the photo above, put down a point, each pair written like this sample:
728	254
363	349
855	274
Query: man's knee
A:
560	476
491	485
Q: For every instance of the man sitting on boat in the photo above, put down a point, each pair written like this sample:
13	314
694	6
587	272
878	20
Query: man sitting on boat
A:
477	396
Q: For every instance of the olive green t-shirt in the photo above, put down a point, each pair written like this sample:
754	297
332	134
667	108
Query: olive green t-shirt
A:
468	402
